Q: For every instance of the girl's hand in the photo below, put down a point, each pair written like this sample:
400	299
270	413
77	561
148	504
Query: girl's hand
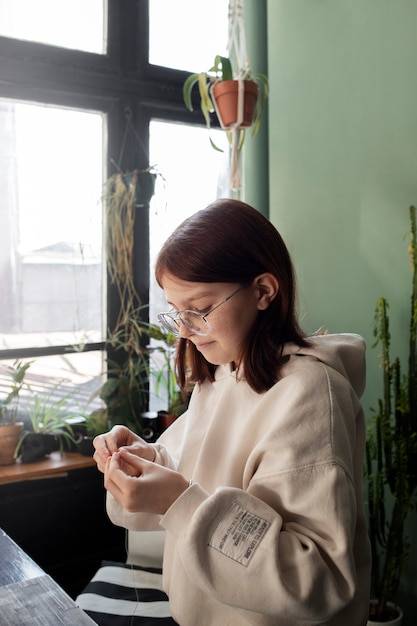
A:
119	436
140	485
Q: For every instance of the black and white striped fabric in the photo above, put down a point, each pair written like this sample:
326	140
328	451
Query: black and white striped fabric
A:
120	594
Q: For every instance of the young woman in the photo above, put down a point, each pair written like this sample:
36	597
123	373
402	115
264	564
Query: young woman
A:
258	484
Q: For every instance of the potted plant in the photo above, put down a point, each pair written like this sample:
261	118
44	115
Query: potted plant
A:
50	418
391	457
137	186
237	98
10	428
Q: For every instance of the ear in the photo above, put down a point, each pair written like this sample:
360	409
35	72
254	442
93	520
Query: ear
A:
266	287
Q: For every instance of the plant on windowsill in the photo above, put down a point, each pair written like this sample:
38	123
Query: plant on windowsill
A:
391	457
50	416
10	428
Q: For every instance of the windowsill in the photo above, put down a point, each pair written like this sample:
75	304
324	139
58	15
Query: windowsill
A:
55	465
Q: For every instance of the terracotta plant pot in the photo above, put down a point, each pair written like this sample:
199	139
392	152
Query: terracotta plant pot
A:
165	419
9	438
394	620
226	95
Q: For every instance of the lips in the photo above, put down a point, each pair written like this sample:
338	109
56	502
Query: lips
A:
203	346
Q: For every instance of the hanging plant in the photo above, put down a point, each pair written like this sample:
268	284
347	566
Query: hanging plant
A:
125	392
235	95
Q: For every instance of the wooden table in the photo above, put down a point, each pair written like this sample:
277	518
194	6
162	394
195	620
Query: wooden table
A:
28	596
55	510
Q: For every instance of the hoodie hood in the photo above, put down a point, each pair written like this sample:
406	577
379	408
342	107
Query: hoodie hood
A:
343	352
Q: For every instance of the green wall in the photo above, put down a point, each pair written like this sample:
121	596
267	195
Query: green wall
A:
343	164
255	155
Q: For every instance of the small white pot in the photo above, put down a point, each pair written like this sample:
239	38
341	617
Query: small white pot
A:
393	622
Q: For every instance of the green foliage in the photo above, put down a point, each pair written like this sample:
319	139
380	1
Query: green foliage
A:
162	369
97	422
125	392
391	451
126	389
17	372
49	414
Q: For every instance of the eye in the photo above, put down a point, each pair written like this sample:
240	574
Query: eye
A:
203	311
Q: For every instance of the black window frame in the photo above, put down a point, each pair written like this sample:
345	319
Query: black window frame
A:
118	83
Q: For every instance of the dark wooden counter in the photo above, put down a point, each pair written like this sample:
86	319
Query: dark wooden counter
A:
28	596
55	510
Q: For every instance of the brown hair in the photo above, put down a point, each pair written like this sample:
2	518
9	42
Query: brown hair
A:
230	241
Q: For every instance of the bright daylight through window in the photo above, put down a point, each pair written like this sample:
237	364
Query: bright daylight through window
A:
76	24
53	284
51	233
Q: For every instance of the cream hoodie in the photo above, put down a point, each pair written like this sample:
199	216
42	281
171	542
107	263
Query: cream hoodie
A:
272	531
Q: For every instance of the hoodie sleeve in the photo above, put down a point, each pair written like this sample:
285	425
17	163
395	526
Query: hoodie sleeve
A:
303	568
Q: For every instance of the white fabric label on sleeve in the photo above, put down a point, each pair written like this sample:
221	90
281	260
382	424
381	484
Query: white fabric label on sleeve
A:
239	533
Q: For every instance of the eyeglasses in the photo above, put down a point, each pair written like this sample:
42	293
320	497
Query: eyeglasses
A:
195	322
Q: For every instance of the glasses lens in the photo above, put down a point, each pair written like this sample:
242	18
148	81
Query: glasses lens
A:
169	323
195	322
192	321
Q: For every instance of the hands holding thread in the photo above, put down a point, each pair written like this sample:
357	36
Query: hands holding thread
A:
130	475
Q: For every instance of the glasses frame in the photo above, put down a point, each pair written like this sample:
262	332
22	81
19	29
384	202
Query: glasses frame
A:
176	316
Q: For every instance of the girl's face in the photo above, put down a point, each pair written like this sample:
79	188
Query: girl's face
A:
230	323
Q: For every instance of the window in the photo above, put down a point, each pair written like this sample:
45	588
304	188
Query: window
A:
76	24
51	257
187	34
180	196
69	94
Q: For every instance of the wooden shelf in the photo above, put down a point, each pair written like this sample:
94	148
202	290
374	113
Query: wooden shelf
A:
53	465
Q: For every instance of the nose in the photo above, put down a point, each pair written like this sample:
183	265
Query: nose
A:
184	331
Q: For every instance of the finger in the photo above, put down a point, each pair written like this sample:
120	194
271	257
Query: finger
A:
100	462
111	480
120	483
102	444
112	442
130	463
133	460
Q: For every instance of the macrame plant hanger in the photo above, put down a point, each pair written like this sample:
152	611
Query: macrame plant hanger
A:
236	51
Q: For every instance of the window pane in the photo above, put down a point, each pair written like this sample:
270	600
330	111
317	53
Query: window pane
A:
50	226
181	36
75	24
192	181
75	377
